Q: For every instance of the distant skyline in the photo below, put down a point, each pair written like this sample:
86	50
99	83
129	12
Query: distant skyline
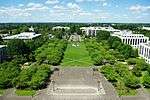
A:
82	11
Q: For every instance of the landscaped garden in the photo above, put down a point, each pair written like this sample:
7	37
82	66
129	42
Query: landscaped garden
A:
27	80
120	63
76	56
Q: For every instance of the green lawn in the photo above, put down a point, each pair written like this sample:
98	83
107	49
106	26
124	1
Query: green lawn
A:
76	56
25	92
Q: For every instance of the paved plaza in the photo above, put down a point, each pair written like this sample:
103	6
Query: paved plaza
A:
78	84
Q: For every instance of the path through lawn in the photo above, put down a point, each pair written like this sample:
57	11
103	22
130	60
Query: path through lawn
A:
76	56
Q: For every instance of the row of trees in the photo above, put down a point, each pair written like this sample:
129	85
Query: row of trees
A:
115	43
120	73
8	72
100	52
52	52
126	50
34	77
122	78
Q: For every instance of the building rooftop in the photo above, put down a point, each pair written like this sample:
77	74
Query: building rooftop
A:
2	46
146	28
23	36
60	27
110	29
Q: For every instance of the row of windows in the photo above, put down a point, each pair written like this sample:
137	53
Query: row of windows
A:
134	41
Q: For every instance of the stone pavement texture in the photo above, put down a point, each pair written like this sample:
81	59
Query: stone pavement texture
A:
78	84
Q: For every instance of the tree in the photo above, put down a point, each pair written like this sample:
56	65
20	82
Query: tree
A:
1	40
110	73
102	35
146	80
137	71
131	81
132	61
17	47
24	78
40	77
8	71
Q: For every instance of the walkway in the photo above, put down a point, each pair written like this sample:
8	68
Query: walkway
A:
78	84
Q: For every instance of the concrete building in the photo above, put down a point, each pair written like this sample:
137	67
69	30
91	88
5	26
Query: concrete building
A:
60	28
92	31
31	29
23	36
4	35
144	51
2	52
129	38
146	28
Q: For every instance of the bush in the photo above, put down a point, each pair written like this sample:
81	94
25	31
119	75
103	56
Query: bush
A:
131	61
146	80
24	78
8	71
131	81
34	77
39	78
109	73
52	52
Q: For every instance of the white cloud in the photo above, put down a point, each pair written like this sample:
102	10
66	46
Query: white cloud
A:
51	2
31	4
139	8
73	6
104	4
58	7
35	7
90	0
21	5
14	12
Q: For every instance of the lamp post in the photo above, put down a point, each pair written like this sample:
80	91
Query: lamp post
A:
53	85
98	85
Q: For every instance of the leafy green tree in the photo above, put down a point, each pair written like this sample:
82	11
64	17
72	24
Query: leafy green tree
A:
1	40
40	77
102	35
8	71
110	73
146	80
17	47
131	81
24	78
132	61
137	71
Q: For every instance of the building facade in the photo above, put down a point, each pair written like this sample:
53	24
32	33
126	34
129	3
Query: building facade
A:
129	38
60	28
23	36
146	28
92	31
144	51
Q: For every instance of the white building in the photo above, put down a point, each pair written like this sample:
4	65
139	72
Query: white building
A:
92	31
2	52
146	28
23	36
129	38
60	28
31	29
144	51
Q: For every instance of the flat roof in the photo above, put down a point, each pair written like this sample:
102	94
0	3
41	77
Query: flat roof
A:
2	46
23	36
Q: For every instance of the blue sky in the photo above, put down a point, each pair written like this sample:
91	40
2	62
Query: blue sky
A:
122	11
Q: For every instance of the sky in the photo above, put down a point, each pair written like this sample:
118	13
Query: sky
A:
84	11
